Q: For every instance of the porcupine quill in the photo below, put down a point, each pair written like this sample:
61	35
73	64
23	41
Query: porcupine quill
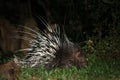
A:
50	49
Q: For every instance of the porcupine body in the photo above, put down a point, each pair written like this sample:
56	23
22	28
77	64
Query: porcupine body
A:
50	49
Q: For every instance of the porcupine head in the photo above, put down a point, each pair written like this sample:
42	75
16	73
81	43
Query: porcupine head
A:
51	49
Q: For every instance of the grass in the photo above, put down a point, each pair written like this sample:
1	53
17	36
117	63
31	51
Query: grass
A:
96	70
56	74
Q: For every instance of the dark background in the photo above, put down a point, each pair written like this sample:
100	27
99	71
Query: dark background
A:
85	17
82	19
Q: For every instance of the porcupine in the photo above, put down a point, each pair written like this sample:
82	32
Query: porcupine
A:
51	48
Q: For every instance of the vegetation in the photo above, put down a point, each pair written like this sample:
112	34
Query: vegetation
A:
94	24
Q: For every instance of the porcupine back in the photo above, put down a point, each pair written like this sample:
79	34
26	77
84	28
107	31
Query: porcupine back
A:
51	48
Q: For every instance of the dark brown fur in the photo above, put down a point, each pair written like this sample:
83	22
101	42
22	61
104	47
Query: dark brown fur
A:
68	56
